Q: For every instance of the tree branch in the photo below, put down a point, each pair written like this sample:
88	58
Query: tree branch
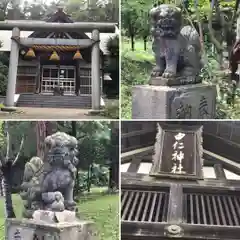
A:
210	28
8	141
20	149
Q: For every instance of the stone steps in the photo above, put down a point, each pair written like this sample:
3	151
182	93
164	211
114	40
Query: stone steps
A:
49	101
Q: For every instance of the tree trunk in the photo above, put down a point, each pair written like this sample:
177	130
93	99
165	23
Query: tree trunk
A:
74	129
74	134
89	183
114	158
51	127
76	186
41	135
145	43
132	43
7	185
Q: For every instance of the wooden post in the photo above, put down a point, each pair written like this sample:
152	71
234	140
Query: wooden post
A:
12	71
95	71
175	204
77	80
38	76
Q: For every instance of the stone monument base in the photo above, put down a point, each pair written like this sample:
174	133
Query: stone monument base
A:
195	101
49	225
176	81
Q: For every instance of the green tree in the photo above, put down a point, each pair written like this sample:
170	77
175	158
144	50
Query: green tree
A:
114	156
130	19
144	24
111	65
6	164
93	145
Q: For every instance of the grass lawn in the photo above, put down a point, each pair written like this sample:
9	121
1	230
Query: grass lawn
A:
138	54
136	69
103	209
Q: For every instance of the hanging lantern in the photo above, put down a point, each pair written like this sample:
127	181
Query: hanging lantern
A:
30	53
77	55
54	56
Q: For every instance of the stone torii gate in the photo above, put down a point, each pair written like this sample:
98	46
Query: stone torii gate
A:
95	28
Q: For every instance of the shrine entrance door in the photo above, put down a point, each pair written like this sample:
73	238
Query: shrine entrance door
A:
58	76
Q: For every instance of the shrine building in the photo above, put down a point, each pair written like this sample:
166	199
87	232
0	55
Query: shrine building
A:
45	70
193	194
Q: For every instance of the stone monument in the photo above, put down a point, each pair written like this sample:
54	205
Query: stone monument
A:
175	90
47	193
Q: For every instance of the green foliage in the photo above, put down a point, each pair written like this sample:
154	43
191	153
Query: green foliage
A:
113	45
228	98
93	138
39	9
135	19
93	12
136	67
97	176
111	110
111	66
3	78
93	141
3	72
2	137
129	17
26	130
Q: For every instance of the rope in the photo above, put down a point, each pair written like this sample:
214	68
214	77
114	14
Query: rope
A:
53	47
56	48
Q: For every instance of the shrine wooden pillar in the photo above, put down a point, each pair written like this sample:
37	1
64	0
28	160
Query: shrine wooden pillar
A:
38	76
77	80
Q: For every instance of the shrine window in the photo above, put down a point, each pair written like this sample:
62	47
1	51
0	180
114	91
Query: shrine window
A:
149	206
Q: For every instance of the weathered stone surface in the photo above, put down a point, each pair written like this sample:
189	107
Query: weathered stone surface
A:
50	216
196	101
27	229
176	81
176	47
48	184
46	216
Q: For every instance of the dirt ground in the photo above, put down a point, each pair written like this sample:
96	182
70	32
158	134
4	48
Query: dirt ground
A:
48	113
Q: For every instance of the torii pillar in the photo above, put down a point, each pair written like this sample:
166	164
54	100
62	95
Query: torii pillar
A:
95	80
12	71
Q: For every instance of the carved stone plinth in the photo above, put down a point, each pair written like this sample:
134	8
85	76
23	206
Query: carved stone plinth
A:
30	229
196	101
177	81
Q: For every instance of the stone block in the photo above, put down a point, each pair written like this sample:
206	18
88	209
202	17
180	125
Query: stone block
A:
30	229
196	101
51	217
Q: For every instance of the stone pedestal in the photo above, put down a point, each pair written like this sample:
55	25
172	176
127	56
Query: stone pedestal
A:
196	101
47	229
